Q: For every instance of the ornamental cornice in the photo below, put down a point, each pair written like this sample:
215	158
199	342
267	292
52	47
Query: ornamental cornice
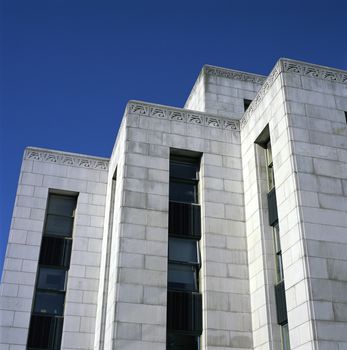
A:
314	71
182	115
69	159
234	74
261	93
294	67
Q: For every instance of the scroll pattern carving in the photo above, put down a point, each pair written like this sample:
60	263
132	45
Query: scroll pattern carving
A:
195	119
314	71
214	122
260	95
231	74
180	115
300	68
59	158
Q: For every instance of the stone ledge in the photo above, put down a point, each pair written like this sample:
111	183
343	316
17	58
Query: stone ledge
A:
313	70
66	158
285	65
261	93
181	115
233	74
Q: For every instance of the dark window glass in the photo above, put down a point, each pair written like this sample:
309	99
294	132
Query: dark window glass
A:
39	332
51	279
58	225
61	205
177	341
184	304
46	322
184	220
45	332
346	116
278	252
281	305
271	177
279	268
272	207
269	163
49	303
183	170
276	234
246	104
268	153
183	191
184	311
183	277
183	250
55	251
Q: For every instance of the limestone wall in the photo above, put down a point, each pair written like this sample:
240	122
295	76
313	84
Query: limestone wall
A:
140	317
222	91
44	171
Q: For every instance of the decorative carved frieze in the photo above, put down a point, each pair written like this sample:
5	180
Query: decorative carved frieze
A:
233	74
157	112
182	115
195	119
260	95
65	159
296	67
314	71
214	122
139	109
231	124
174	115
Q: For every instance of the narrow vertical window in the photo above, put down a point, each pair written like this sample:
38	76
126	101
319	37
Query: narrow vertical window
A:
184	313
246	104
46	323
269	167
282	317
278	253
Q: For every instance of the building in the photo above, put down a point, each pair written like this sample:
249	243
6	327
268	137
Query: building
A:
220	225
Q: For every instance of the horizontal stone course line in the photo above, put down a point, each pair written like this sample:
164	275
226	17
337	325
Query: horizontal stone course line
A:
181	115
65	159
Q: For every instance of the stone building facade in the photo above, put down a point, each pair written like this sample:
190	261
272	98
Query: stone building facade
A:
220	225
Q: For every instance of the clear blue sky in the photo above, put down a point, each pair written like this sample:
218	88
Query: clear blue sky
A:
69	67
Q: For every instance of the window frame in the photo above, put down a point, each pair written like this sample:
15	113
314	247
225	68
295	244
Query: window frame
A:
185	161
186	262
184	220
195	265
179	181
48	267
186	265
269	166
182	334
176	178
54	337
54	195
64	242
195	272
278	253
41	291
246	103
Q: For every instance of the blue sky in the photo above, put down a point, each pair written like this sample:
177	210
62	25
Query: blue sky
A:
68	68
